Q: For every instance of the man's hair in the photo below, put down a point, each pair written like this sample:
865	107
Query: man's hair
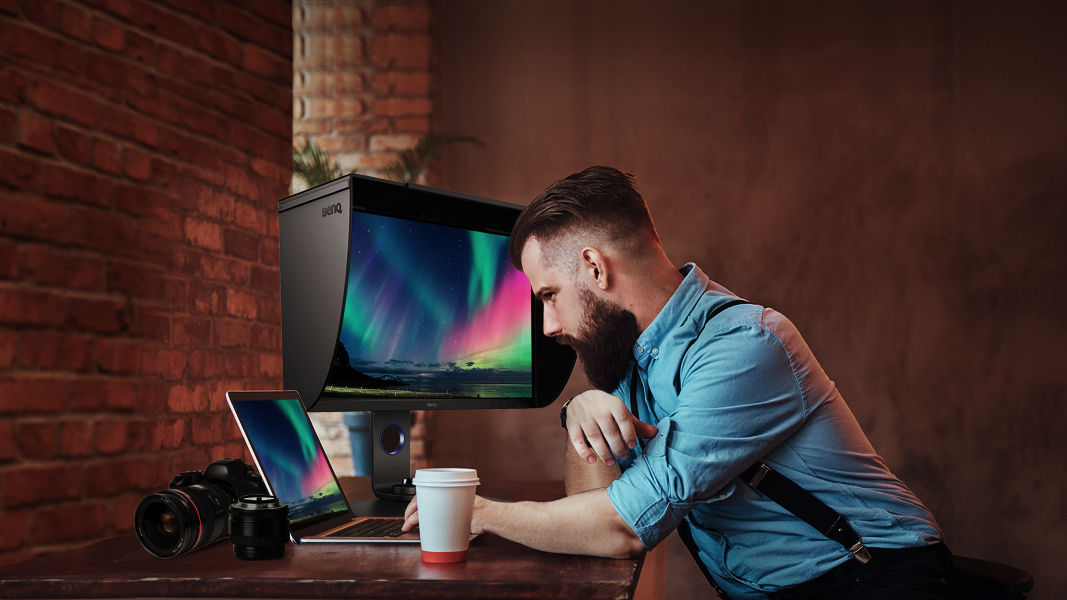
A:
602	201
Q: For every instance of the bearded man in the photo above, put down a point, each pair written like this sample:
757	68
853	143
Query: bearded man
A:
753	456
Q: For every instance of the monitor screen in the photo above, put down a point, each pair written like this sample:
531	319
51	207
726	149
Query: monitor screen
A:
291	459
431	312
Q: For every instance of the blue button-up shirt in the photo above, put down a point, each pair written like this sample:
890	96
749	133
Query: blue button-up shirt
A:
725	394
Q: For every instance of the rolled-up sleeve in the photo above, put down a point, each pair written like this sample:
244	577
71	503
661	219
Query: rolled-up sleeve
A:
738	398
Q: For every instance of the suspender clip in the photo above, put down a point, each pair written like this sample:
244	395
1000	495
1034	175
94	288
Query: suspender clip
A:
860	553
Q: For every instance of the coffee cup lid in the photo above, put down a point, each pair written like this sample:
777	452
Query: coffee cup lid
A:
446	477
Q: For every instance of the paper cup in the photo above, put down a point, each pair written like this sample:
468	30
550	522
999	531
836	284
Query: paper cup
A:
446	500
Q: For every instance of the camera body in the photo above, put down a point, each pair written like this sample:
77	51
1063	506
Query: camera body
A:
194	512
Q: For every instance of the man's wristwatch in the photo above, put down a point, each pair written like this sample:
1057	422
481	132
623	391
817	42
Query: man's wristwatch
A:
563	413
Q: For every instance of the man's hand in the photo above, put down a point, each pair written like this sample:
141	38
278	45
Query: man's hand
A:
599	424
411	516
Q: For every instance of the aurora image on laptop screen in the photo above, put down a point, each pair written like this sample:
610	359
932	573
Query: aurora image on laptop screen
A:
292	460
431	311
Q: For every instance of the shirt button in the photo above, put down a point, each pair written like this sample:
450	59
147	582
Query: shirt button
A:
655	351
640	349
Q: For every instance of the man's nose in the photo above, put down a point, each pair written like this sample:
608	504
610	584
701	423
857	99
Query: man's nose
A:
550	324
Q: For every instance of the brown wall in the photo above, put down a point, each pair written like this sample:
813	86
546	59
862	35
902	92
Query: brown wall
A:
892	176
143	148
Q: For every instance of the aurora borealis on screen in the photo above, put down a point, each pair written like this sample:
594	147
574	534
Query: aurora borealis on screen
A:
432	309
291	458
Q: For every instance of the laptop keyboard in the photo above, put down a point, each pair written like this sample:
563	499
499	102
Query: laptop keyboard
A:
371	528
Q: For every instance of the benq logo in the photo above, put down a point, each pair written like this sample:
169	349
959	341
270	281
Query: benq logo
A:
333	208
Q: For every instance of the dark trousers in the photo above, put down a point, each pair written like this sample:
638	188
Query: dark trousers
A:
907	574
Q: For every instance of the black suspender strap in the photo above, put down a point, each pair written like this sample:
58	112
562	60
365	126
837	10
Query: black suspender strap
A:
805	507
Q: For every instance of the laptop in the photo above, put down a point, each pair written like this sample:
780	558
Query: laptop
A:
294	466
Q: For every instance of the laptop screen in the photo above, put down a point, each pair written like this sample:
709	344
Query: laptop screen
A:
291	459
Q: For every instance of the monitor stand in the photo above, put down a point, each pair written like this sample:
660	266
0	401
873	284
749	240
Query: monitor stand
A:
390	465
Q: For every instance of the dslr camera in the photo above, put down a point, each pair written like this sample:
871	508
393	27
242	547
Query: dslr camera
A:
196	511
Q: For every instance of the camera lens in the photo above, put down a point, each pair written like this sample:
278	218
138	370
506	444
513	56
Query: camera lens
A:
259	527
180	520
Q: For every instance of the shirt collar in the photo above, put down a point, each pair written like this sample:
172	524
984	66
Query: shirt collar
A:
673	313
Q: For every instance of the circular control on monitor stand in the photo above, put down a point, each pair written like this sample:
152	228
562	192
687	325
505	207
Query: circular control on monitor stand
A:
391	439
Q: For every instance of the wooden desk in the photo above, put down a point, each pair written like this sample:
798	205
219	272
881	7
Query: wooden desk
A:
496	568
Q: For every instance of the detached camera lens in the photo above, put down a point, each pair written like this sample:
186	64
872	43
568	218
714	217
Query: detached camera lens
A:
259	527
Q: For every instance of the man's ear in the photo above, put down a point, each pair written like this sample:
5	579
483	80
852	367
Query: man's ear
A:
596	268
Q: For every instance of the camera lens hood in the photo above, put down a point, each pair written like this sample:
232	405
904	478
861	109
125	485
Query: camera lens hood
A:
259	527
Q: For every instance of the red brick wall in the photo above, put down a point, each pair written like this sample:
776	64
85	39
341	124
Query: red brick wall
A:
361	78
143	148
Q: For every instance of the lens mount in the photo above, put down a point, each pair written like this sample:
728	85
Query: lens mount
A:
259	527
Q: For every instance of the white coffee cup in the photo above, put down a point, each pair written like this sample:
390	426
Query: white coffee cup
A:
445	499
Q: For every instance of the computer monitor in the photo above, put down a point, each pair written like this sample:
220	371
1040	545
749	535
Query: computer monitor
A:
399	297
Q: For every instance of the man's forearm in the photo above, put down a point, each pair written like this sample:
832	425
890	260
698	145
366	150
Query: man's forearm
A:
580	476
581	524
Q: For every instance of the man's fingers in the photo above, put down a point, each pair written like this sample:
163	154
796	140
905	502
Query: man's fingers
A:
411	515
596	440
625	422
644	430
610	428
579	443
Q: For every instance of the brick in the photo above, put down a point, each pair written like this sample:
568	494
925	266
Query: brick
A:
31	394
43	13
330	51
240	244
111	436
265	279
279	12
401	83
140	48
323	108
168	364
40	48
145	283
37	439
75	439
267	64
219	268
52	525
26	485
136	165
251	27
63	182
256	141
270	364
202	9
232	333
320	17
419	125
107	156
188	398
151	324
125	124
63	268
342	143
8	447
108	34
99	315
35	133
104	394
8	123
208	429
396	107
56	351
393	141
164	23
27	306
208	299
76	22
401	51
270	309
192	331
241	304
9	260
8	345
73	145
221	46
115	475
169	434
117	357
121	8
402	18
16	528
312	127
205	234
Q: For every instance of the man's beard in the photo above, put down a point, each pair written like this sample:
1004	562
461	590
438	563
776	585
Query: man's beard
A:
605	340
